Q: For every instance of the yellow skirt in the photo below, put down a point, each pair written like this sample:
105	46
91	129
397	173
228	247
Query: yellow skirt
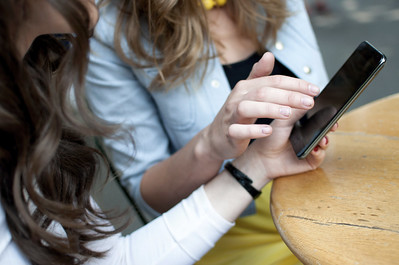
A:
253	240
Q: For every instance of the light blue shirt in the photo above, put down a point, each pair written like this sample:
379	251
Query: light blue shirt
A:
164	122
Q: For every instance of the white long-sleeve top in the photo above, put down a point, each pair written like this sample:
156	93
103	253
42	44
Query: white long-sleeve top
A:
180	236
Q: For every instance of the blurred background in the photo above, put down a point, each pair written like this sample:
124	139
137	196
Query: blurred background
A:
341	25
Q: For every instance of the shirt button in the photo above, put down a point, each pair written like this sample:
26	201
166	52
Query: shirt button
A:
279	45
215	83
307	70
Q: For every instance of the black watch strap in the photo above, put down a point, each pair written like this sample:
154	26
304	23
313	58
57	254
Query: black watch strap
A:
243	179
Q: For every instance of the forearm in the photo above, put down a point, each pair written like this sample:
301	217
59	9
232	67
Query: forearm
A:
226	194
180	236
168	182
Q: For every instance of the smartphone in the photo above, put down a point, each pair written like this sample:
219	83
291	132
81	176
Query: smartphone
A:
338	95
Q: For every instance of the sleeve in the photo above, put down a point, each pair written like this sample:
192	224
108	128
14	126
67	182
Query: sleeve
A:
116	96
180	236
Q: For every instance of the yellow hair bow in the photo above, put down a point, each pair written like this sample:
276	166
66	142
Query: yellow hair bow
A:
209	4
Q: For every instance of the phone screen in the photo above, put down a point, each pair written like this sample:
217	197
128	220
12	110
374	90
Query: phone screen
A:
345	86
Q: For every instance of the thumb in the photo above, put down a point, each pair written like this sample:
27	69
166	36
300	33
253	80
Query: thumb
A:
263	67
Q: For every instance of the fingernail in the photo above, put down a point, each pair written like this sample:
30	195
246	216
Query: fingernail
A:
285	111
266	130
326	140
314	89
307	101
316	149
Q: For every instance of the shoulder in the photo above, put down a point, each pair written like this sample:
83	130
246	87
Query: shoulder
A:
299	20
105	30
296	45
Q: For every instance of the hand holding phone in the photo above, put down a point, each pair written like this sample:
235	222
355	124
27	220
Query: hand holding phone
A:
342	90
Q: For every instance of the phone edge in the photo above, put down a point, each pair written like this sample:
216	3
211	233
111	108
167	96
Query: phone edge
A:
306	152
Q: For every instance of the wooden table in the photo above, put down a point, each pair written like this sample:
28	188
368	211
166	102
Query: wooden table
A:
347	211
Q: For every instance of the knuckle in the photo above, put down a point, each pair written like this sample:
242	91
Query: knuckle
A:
293	98
231	104
261	94
275	80
229	107
230	132
240	87
253	131
241	109
270	110
301	84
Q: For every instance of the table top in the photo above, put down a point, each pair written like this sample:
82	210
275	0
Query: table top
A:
347	211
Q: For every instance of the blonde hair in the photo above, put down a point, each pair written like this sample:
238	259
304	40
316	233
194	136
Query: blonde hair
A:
180	36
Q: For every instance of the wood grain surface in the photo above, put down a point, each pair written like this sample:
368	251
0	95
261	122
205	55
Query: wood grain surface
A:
347	211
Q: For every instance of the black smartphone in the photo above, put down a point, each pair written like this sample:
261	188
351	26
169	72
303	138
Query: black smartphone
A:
342	90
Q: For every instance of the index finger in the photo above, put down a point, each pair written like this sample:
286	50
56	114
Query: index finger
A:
290	83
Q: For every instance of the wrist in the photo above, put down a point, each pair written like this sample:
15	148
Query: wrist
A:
254	168
242	179
203	149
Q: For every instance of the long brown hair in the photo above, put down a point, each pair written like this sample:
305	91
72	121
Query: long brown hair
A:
46	171
180	35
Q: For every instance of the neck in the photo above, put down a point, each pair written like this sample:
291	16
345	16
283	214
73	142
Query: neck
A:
231	45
